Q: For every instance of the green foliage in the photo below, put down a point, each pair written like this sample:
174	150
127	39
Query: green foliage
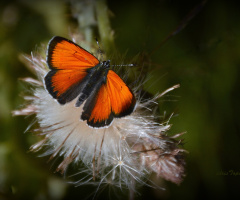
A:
204	58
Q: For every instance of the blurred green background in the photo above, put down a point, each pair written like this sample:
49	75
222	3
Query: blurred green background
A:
204	58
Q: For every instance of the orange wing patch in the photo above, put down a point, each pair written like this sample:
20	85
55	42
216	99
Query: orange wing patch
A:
64	85
64	54
102	109
63	80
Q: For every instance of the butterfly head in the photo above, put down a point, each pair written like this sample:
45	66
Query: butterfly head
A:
106	64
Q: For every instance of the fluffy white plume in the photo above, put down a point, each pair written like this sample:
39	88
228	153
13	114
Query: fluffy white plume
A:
123	153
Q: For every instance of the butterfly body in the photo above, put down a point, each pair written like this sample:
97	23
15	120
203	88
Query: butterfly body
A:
75	73
95	78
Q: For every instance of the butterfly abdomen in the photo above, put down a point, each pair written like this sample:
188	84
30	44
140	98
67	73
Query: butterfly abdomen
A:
96	77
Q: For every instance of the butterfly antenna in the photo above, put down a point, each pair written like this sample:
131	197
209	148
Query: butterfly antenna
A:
128	65
99	49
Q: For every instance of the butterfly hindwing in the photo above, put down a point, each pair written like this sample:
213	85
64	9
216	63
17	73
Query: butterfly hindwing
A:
65	85
112	99
68	65
97	109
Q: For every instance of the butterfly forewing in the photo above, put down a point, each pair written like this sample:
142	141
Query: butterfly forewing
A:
122	99
64	54
68	63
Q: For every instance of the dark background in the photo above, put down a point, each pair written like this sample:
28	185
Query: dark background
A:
204	57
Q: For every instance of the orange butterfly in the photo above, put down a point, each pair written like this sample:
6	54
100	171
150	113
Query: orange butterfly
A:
74	72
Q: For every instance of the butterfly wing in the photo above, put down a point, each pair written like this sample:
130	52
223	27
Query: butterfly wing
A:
68	64
113	99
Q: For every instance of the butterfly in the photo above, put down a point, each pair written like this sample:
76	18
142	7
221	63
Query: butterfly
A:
74	72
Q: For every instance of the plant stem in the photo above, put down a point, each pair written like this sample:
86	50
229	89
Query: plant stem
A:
104	27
